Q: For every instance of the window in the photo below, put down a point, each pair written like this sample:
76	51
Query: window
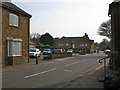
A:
13	20
14	47
73	45
82	45
86	45
67	44
60	44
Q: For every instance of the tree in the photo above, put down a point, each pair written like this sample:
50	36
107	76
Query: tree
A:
47	39
105	44
105	29
96	44
35	38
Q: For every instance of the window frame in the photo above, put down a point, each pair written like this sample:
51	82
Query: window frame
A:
13	20
12	53
73	45
82	45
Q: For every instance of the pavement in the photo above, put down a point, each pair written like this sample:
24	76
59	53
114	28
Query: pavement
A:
88	79
30	64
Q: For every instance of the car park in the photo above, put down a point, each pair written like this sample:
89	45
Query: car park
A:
34	52
47	52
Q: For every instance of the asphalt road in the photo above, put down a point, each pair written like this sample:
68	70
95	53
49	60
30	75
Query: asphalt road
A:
54	74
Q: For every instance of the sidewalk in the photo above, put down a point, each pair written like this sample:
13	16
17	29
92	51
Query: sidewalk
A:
31	63
90	80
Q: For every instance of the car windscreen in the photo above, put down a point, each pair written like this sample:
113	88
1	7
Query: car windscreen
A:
58	50
69	50
46	50
32	50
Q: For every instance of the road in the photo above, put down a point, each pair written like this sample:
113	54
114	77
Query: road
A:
52	75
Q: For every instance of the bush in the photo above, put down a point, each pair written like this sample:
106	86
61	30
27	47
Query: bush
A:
48	57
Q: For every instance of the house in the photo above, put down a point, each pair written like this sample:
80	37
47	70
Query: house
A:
76	43
15	34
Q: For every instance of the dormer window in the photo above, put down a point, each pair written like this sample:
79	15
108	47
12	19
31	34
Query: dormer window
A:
13	20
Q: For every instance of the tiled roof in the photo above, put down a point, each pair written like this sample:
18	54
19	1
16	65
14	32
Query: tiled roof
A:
10	6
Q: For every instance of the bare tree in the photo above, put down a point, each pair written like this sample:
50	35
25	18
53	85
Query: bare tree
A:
105	29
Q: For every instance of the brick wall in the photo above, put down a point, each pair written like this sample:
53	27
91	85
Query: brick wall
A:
20	32
84	40
64	41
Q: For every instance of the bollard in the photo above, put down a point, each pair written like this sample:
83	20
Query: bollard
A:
36	59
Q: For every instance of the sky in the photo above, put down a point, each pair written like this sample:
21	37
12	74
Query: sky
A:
69	18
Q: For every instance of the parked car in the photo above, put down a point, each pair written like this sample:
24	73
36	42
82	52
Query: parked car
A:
34	51
69	51
59	51
47	52
107	51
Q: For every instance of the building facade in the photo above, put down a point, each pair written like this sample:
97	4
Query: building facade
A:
76	43
15	34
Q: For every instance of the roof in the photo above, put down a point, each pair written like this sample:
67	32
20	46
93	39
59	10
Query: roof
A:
73	39
10	6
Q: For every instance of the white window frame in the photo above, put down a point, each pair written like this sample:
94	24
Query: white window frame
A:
13	48
73	45
13	20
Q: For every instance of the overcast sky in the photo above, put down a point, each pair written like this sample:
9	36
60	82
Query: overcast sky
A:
70	18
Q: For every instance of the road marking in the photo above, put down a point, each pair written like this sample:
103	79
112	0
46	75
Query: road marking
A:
71	64
68	70
39	73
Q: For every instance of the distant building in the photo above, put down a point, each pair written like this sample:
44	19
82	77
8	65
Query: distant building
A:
15	34
76	43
